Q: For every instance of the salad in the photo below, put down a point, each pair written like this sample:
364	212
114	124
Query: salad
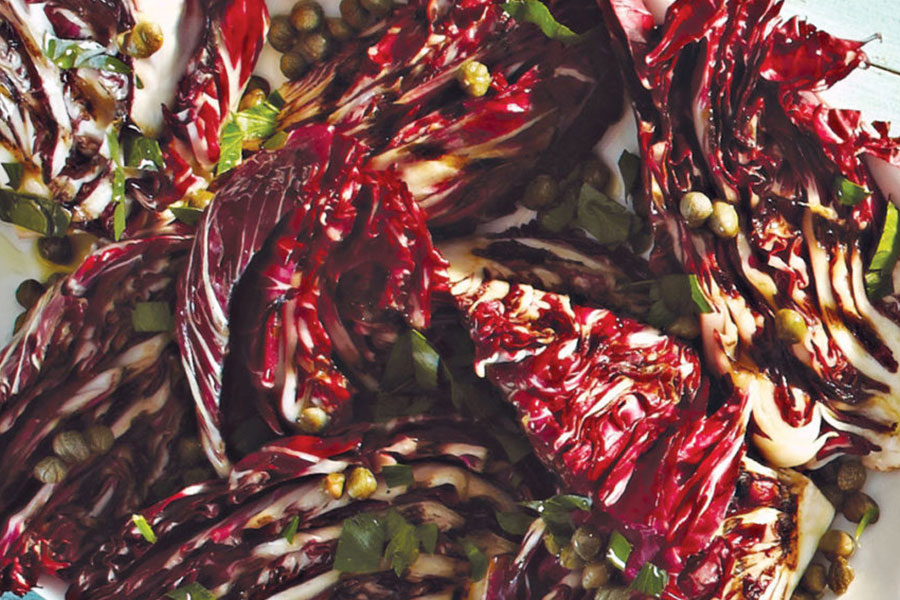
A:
352	308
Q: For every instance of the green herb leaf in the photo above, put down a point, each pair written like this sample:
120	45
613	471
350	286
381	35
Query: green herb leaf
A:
403	548
32	212
650	580
15	172
103	62
879	276
77	54
360	544
608	221
258	121
390	406
534	11
476	558
119	198
230	147
558	217
144	528
411	358
849	193
425	361
276	141
191	591
682	294
427	533
659	315
618	550
556	512
629	167
152	317
115	149
398	475
291	530
187	214
867	518
514	522
144	153
514	443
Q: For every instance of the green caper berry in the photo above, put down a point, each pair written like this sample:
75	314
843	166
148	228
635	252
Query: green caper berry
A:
569	559
20	320
594	173
857	504
595	575
790	326
851	475
29	292
355	15
338	29
313	46
99	438
724	220
833	494
541	192
282	34
71	447
252	98
312	419
189	451
306	16
587	542
696	208
258	83
143	41
474	78
840	576
50	470
55	249
837	543
293	65
815	579
379	8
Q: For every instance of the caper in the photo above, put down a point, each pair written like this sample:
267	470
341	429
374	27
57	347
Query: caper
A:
696	208
840	576
802	595
71	447
595	575
282	34
99	438
258	83
587	542
815	579
20	320
313	46
540	192
723	221
312	419
474	78
293	65
833	494
857	504
361	484
189	451
379	8
334	484
851	474
29	292
685	326
142	41
594	173
306	16
252	98
790	326
355	15
837	543
557	218
569	559
338	29
55	249
50	470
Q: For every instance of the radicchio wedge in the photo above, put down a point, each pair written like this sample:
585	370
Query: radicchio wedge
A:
330	250
725	96
77	362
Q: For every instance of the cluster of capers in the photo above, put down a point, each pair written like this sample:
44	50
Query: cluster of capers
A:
719	216
306	36
72	447
585	552
360	484
841	482
58	250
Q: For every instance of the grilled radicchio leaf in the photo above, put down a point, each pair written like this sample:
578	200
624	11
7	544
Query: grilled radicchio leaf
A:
724	95
77	364
285	231
395	89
